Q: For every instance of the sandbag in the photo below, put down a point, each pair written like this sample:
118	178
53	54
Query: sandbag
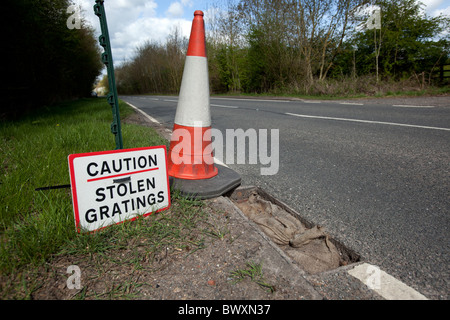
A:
307	236
317	256
276	230
279	225
310	248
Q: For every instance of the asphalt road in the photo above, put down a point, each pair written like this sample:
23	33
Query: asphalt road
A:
374	172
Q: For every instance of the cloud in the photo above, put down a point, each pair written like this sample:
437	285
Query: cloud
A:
431	5
443	11
132	23
175	10
435	8
148	29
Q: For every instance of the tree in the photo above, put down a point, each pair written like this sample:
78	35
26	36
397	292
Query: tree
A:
45	60
230	35
155	68
271	61
292	42
411	41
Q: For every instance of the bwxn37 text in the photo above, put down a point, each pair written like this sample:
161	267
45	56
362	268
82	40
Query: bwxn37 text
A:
227	309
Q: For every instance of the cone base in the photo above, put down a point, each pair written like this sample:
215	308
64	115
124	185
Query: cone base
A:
226	180
192	173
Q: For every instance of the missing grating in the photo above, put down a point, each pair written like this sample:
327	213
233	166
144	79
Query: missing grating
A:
308	245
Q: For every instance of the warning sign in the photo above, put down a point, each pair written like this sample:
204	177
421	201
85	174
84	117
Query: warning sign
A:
111	187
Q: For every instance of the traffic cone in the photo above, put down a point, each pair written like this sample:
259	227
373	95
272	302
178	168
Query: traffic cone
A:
191	137
191	164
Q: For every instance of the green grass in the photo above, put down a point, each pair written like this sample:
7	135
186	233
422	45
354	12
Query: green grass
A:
132	245
254	272
33	154
172	228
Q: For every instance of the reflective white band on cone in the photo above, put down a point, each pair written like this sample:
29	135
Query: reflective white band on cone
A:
193	103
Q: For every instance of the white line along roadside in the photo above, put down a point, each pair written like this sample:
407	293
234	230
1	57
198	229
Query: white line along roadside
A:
367	121
384	284
311	101
222	106
143	113
252	100
351	103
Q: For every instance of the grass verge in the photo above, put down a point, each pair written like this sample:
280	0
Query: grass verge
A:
33	153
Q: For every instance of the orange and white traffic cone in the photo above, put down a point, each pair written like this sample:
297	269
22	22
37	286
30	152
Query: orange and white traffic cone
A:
191	162
191	137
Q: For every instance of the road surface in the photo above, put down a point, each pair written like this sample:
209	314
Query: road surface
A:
374	173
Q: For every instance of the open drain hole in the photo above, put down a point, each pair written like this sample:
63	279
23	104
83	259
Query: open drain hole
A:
310	246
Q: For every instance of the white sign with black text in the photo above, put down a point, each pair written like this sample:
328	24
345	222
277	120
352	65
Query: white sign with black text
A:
110	187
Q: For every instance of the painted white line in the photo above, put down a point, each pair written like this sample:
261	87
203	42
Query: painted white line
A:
170	100
274	100
409	106
352	103
221	106
311	101
143	113
368	121
220	162
384	284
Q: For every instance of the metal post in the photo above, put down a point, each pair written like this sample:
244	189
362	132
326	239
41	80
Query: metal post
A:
112	99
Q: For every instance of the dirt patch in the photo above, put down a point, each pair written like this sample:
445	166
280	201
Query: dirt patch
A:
208	272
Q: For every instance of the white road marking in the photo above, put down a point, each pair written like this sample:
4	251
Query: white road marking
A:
384	284
221	106
274	100
367	121
147	98
143	113
311	101
352	103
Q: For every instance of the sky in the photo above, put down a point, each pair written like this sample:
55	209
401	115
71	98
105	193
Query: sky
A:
133	22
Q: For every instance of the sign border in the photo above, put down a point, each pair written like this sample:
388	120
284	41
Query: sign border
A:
71	159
